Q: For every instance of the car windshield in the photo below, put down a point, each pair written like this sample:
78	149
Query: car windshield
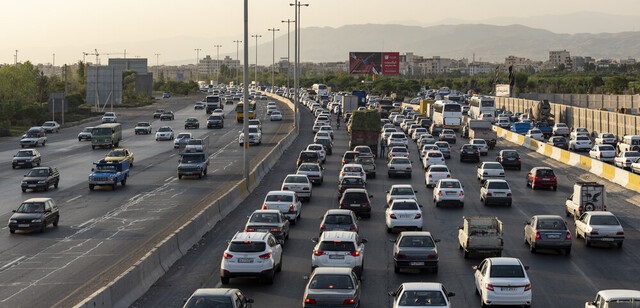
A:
422	299
328	281
498	185
416	241
338	219
164	129
510	154
101	131
507	271
24	154
306	167
438	169
632	154
404	206
143	124
265	217
209	301
116	153
31	207
106	168
598	220
87	129
247	246
279	198
253	130
551	224
38	172
181	136
402	191
449	184
191	159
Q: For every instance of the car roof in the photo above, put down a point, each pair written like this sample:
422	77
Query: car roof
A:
419	286
214	291
401	185
332	270
250	236
505	261
272	211
355	190
415	233
619	294
281	192
338	235
337	211
600	213
37	200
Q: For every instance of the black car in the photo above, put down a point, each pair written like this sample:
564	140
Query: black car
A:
158	113
426	123
357	200
167	115
509	159
308	157
34	214
40	178
191	123
436	129
350	182
215	121
326	142
558	141
470	152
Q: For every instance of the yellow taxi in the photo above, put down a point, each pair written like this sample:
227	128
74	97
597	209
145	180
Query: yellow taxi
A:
120	154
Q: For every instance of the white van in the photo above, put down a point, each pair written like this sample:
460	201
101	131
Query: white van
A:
615	298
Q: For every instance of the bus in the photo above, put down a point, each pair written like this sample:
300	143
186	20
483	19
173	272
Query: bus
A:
240	111
479	105
447	113
321	89
106	135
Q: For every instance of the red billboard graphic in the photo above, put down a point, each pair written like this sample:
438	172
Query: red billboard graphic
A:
374	63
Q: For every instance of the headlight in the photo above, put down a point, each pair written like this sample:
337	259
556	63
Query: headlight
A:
13	221
36	220
23	182
111	177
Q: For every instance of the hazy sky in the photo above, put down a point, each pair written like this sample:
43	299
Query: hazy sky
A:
40	28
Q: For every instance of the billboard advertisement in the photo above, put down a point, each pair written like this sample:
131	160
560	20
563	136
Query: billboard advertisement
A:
503	90
375	63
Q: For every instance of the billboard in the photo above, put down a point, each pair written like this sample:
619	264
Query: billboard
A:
375	63
503	90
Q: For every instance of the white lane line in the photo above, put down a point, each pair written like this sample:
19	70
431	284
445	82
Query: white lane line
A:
80	226
168	179
10	264
74	198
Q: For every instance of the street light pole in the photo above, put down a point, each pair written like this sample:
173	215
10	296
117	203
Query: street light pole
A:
245	95
238	58
157	64
197	63
296	71
273	61
217	62
288	21
256	69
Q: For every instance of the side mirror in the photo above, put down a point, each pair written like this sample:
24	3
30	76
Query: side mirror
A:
392	240
451	294
526	268
13	211
475	267
363	241
370	196
437	240
315	239
250	300
391	293
93	169
420	205
305	277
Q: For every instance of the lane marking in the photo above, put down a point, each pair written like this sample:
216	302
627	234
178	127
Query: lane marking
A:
80	226
12	263
168	179
74	198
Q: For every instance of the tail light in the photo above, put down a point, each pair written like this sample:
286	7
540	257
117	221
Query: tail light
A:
439	194
275	230
306	188
600	155
227	255
418	216
432	256
408	168
489	286
508	194
342	173
318	252
285	188
264	206
366	204
355	253
461	194
392	216
619	233
323	227
519	160
488	194
430	176
392	168
361	173
265	255
249	230
310	301
593	233
350	301
342	203
527	287
401	256
568	236
538	236
352	228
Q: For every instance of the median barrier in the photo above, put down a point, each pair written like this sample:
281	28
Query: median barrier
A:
169	252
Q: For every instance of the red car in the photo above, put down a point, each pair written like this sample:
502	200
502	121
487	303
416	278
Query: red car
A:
542	177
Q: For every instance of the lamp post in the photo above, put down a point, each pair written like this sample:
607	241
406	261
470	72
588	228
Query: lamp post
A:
245	94
288	21
157	64
217	62
256	69
197	63
296	71
273	61
53	66
238	58
15	58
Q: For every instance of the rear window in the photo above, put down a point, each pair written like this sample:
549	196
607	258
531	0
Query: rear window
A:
439	169
338	219
551	224
492	166
422	298
354	197
247	246
400	161
507	271
545	172
342	282
352	169
416	241
352	181
604	221
296	179
404	206
449	184
402	191
606	148
264	217
510	154
498	185
435	154
337	246
279	198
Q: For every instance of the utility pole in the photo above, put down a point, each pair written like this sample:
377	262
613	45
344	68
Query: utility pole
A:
197	64
273	61
296	71
245	95
157	65
217	62
238	58
256	70
15	58
288	21
53	65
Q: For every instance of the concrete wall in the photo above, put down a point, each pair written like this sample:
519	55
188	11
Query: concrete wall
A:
592	101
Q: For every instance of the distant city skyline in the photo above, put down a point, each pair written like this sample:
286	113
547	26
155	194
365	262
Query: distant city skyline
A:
38	29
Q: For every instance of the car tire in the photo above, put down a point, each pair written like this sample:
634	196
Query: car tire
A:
44	227
396	269
567	251
55	222
587	242
269	280
24	190
224	280
279	267
389	230
589	207
46	187
91	186
554	188
55	185
619	245
124	182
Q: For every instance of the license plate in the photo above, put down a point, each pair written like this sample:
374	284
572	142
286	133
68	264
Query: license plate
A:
23	226
263	230
356	205
498	194
553	236
546	179
451	193
606	239
508	289
336	257
32	185
245	260
416	263
20	163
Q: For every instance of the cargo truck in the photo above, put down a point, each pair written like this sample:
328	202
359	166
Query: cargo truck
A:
349	103
365	129
481	129
481	234
109	173
587	196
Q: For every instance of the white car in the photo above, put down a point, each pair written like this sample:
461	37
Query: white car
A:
418	132
256	254
624	159
323	134
603	152
313	171
353	170
489	170
502	281
599	227
436	173
286	201
606	138
276	115
399	166
495	192
181	138
397	138
421	294
579	131
318	148
448	191
255	135
635	165
387	132
218	112
561	129
339	249
271	109
109	117
298	183
164	133
481	144
403	214
401	191
51	127
433	158
535	134
428	147
397	152
326	129
580	143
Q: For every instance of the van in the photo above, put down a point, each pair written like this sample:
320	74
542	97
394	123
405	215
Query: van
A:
615	298
586	197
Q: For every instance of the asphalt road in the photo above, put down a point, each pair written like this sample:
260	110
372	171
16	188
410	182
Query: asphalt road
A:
558	280
103	232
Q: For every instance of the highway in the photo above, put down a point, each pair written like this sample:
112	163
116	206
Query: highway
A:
557	280
103	232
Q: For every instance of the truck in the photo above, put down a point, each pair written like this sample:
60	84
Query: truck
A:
541	112
587	196
212	102
481	129
365	129
482	235
520	127
362	97
349	103
109	173
545	127
385	106
193	164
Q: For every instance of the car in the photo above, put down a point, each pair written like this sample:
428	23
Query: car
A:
308	156
614	298
191	123
504	123
432	158
635	165
26	158
599	227
436	173
358	200
350	182
339	220
142	128
547	232
509	159
34	214
353	169
251	254
561	129
119	154
158	113
182	139
167	115
482	145
397	137
40	178
487	170
85	134
397	151
364	150
426	148
558	141
313	171
418	132
286	201
405	214
502	281
339	249
109	117
332	287
218	112
580	143
386	133
197	106
444	148
271	109
298	183
606	138
166	94
448	135
542	177
624	159
34	136
495	191
322	154
272	221
421	294
415	250
51	127
603	152
448	191
368	162
436	129
164	133
276	115
535	134
579	131
469	152
326	143
215	297
255	122
401	191
215	121
399	166
255	136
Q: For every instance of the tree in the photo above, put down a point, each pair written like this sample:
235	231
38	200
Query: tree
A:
616	84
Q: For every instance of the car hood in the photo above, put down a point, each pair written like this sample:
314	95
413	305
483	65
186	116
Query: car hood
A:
115	158
23	158
27	215
34	178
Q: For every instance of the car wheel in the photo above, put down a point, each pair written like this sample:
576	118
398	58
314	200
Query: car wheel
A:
55	222
224	280
567	251
396	269
269	280
124	182
91	186
389	230
619	245
46	187
55	185
24	190
587	241
554	188
279	267
533	186
437	203
44	227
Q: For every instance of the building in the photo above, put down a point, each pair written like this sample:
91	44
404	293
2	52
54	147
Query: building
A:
480	67
208	67
104	83
560	57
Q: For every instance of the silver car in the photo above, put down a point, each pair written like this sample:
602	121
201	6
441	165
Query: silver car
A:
339	220
415	249
313	171
332	287
272	221
547	231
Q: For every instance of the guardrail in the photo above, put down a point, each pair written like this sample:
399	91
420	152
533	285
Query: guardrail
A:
136	280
